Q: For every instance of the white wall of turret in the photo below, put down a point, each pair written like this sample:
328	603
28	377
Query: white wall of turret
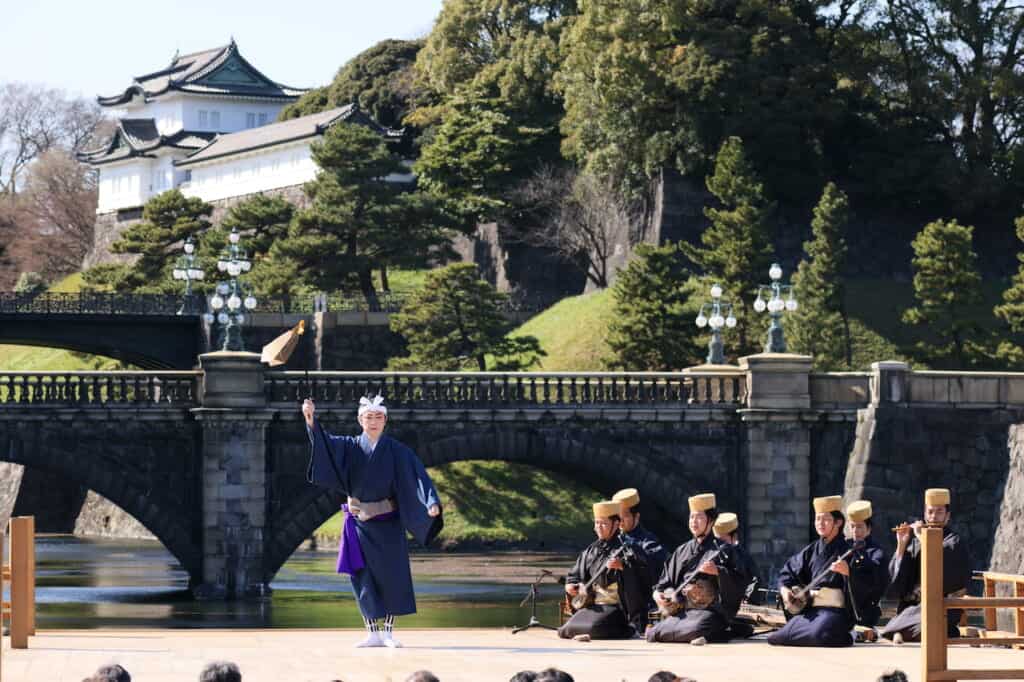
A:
262	170
207	114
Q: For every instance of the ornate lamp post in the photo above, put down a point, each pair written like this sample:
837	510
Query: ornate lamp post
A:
187	269
232	297
716	321
775	305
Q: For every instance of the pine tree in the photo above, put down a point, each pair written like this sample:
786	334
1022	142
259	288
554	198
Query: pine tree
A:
821	326
947	289
357	220
653	327
736	251
1011	311
167	220
455	321
262	220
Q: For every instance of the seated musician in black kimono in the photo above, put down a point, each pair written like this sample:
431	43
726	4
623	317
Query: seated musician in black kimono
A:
868	562
643	542
815	584
609	583
692	586
726	530
905	570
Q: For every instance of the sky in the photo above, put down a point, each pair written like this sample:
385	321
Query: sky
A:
95	47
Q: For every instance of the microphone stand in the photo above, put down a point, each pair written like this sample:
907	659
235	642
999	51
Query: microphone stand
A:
531	597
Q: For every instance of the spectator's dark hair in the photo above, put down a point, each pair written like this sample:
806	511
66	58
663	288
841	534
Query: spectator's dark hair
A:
524	676
663	676
553	675
221	671
893	676
110	673
422	676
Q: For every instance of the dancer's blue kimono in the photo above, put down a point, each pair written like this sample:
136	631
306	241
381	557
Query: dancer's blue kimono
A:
820	626
388	471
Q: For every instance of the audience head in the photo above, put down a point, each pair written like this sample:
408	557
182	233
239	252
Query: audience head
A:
663	676
221	671
110	673
553	675
422	676
524	676
893	676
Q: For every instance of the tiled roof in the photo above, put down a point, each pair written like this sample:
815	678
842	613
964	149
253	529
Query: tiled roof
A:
139	137
279	133
219	71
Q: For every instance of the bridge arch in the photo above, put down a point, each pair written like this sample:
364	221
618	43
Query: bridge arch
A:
146	497
605	461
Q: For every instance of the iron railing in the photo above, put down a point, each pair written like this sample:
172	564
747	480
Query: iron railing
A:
103	303
497	390
101	389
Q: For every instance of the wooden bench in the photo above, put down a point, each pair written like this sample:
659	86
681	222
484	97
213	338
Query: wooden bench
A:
934	604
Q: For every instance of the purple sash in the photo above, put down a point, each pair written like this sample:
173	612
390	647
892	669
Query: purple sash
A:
350	552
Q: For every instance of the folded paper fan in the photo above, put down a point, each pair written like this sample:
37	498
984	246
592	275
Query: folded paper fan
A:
280	349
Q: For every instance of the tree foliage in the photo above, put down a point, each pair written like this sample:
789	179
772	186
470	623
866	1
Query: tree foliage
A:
357	220
655	306
735	249
947	290
820	327
167	220
455	321
1011	310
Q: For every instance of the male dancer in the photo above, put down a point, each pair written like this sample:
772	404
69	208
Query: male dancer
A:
389	492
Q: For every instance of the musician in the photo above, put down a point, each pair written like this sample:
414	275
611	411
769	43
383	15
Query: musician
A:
621	585
705	617
905	570
642	540
827	619
868	562
726	531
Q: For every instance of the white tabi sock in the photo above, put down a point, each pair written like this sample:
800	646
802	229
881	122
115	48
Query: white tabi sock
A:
388	637
373	637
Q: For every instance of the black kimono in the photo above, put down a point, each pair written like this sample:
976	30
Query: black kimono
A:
631	587
712	622
906	586
820	626
869	565
647	543
743	589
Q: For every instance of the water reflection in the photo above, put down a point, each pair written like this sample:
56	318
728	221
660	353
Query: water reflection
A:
99	583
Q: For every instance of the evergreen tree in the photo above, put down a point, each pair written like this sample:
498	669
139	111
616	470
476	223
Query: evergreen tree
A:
736	249
821	326
1011	311
947	289
167	220
262	220
357	220
655	305
455	321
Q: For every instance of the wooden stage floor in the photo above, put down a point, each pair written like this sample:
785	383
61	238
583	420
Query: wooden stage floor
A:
453	655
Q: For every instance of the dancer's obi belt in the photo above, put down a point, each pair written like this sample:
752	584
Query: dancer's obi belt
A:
828	598
350	552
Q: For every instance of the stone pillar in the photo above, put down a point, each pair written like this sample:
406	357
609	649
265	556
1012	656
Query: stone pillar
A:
889	382
777	457
234	421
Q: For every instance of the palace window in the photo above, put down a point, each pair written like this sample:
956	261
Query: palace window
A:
250	120
204	118
215	120
263	119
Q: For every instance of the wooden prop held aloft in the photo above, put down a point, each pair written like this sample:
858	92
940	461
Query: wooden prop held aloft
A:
280	349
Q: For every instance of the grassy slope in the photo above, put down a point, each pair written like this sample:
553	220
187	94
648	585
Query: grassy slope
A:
498	503
573	332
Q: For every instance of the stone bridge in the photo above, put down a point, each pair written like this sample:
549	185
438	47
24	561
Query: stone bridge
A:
213	461
161	332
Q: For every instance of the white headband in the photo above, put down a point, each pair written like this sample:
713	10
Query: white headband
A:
375	404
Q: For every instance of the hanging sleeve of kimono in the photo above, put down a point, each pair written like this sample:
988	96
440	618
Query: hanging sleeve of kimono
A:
330	458
415	494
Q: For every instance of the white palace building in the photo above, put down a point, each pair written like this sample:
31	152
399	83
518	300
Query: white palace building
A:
205	124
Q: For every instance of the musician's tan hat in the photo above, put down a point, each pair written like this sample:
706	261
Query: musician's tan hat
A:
702	502
859	510
936	496
726	523
606	509
628	497
828	504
